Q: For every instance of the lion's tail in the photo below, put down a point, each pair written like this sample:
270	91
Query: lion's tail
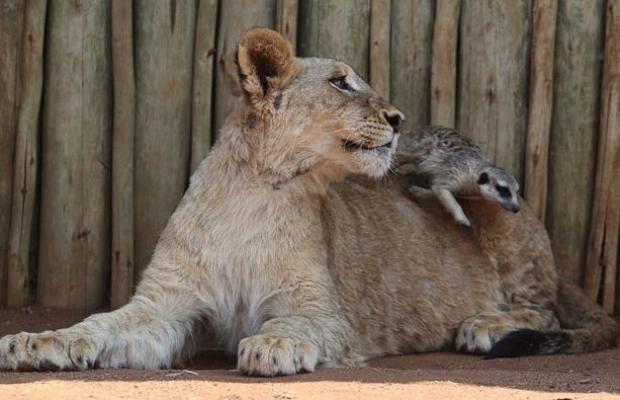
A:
586	327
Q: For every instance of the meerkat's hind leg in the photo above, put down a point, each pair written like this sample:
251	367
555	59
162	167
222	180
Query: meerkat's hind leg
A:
449	202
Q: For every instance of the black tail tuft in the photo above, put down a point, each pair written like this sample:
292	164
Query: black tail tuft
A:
523	342
527	342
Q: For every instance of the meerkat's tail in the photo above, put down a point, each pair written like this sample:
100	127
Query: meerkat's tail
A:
586	327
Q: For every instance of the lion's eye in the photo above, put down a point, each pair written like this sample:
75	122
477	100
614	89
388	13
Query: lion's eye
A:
341	83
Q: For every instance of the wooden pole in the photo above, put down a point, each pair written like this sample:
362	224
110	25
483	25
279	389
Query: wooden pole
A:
336	29
11	26
540	106
202	87
236	17
492	108
380	46
602	256
74	250
578	50
410	63
122	276
286	20
26	155
164	42
443	72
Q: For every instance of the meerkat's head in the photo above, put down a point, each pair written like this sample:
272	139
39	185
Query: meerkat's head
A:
498	186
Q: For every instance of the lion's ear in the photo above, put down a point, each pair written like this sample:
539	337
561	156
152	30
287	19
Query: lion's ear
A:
265	63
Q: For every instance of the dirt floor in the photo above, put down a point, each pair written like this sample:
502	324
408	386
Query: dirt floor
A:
423	376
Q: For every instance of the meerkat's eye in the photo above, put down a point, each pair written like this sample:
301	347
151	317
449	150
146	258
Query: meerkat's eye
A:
483	179
341	84
503	191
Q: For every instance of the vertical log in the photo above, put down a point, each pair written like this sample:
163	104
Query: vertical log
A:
443	73
74	249
540	106
11	17
286	20
164	42
410	65
26	154
122	277
236	17
602	255
380	46
336	29
493	61
578	50
204	54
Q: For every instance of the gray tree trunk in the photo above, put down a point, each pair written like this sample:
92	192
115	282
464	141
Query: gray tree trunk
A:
75	209
578	51
164	42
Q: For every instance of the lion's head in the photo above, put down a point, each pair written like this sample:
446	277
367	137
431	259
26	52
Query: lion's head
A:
306	114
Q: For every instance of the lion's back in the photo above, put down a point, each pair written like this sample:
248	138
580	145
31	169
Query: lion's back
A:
406	274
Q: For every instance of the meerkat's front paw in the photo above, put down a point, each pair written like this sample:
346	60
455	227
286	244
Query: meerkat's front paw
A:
464	222
264	355
46	351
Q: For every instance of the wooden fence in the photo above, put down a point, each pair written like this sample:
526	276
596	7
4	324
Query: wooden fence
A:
107	106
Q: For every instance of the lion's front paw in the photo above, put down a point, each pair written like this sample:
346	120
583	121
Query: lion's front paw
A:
46	351
265	355
479	335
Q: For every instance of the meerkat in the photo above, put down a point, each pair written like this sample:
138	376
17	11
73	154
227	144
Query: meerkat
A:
448	165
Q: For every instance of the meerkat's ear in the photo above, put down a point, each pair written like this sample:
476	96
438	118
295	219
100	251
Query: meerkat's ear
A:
265	63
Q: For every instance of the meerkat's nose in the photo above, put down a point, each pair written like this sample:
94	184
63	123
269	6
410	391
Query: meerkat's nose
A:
515	208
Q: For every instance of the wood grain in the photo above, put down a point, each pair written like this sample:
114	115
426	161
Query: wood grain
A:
286	20
74	250
602	258
336	29
492	104
443	71
164	42
540	109
380	13
235	18
579	46
11	26
202	85
410	62
122	270
26	158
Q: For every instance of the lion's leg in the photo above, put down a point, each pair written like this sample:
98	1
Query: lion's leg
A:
479	333
313	333
281	348
150	332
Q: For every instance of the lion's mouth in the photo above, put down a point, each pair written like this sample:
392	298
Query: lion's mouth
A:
354	146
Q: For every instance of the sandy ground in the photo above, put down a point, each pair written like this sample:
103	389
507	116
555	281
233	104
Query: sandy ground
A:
424	376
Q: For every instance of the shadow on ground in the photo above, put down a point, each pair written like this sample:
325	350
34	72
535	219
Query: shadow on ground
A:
583	373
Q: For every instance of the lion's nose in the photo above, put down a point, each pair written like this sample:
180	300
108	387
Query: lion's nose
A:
393	117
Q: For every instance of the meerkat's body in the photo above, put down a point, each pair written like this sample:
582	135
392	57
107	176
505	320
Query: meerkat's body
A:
448	165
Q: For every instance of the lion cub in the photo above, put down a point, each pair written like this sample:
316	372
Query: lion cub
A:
451	165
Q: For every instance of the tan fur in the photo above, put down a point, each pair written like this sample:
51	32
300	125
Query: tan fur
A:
265	64
293	265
